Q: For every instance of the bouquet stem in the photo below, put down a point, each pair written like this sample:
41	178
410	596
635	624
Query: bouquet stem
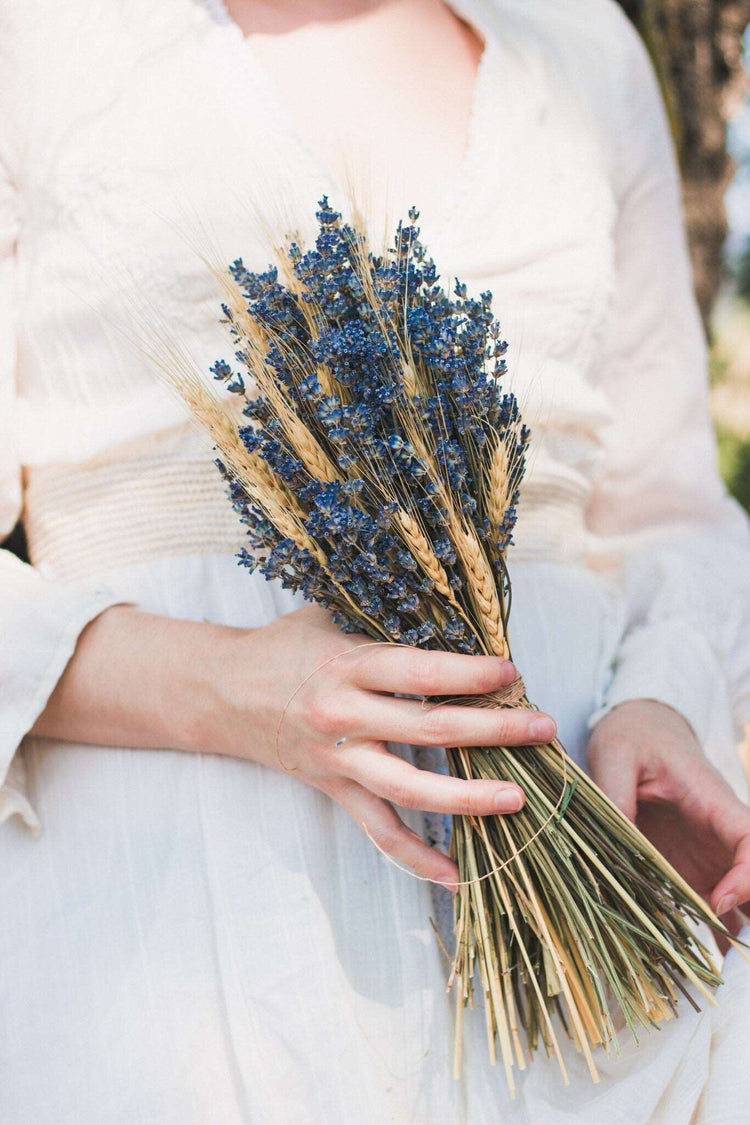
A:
558	908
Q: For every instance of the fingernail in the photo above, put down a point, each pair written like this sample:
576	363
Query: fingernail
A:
727	903
508	800
510	672
450	884
542	729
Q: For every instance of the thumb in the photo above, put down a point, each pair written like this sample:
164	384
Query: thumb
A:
616	772
734	889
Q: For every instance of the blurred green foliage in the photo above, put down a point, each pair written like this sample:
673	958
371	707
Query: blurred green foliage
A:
731	386
742	274
734	461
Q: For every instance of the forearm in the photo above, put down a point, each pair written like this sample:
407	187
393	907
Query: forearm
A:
139	680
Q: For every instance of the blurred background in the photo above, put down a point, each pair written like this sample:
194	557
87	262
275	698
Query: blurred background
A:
701	50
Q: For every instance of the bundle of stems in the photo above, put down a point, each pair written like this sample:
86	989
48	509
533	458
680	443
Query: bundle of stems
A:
376	462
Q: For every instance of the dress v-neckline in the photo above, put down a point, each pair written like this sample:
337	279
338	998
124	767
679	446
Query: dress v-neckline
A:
459	186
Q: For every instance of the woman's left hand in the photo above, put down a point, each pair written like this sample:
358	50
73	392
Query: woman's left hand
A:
645	756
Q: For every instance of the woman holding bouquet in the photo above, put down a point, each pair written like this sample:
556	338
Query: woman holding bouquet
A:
189	933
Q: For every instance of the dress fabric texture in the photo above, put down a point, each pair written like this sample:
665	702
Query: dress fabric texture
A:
186	938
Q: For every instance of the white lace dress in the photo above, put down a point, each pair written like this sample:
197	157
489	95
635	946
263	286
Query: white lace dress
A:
188	939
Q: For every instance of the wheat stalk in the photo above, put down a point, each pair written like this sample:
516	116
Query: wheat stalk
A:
482	587
418	544
499	485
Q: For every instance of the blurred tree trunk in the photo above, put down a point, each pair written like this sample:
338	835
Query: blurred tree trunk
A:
696	46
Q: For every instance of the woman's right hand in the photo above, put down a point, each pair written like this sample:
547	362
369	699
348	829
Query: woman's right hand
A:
140	680
335	695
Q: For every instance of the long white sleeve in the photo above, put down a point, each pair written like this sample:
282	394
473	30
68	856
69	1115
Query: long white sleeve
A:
40	621
659	504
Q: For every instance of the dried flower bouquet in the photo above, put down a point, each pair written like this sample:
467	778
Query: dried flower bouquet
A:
377	467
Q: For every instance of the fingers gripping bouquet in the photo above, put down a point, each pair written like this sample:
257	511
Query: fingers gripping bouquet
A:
377	466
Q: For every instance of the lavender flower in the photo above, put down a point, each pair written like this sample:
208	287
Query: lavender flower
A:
398	383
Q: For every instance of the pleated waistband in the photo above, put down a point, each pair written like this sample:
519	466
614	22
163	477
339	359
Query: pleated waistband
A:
84	520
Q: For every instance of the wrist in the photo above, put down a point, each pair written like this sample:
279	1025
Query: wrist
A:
647	708
207	698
